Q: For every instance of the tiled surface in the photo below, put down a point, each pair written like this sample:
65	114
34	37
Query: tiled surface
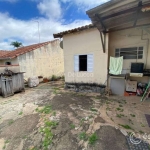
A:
142	146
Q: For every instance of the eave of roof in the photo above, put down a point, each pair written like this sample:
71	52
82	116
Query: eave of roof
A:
110	17
25	49
61	34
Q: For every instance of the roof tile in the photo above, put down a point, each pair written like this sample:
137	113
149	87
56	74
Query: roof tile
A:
22	50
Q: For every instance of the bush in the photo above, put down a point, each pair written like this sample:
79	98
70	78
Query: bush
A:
53	78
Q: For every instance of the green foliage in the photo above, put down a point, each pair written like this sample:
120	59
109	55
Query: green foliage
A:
20	113
83	136
93	109
126	126
54	78
48	135
132	115
45	110
51	123
11	122
54	113
16	44
120	115
119	109
92	139
72	126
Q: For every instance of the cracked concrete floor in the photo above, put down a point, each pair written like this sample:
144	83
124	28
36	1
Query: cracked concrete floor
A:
87	113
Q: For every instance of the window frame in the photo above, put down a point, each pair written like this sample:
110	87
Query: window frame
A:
127	51
90	59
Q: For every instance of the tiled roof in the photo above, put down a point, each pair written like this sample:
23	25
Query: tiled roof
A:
3	52
24	49
60	35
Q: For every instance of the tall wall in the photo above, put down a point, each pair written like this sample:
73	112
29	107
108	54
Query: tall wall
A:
45	61
83	43
131	38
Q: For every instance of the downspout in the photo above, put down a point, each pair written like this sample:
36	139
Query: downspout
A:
147	39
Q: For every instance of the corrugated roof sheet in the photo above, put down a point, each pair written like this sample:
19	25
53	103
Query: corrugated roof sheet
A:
60	35
25	49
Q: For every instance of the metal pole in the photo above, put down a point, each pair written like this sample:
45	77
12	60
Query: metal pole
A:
38	30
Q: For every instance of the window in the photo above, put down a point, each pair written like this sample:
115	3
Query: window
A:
83	63
130	53
7	63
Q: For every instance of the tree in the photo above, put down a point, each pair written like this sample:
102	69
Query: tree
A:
16	44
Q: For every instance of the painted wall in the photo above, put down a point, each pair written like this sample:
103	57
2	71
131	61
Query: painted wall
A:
45	61
131	38
83	43
13	61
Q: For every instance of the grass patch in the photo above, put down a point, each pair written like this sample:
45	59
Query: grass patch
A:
54	113
120	115
48	135
45	110
132	115
93	109
20	113
141	132
10	122
72	126
126	126
92	139
83	136
119	109
7	141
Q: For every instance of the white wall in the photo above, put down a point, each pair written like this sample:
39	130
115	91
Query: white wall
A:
83	43
13	61
45	61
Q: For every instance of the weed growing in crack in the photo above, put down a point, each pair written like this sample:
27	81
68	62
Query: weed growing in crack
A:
132	115
83	136
20	113
126	126
93	109
11	122
141	132
45	110
130	121
6	142
48	135
120	115
72	126
119	109
92	139
54	113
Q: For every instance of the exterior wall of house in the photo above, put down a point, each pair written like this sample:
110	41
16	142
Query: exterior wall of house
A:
45	61
84	43
13	61
131	38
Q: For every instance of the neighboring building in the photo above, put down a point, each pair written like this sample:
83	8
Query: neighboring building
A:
44	59
120	28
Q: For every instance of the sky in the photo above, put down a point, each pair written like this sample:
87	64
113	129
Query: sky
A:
19	19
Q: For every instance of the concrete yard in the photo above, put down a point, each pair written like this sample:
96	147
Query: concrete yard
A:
50	118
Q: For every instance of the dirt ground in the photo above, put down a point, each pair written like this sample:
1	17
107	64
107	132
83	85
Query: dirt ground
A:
50	118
